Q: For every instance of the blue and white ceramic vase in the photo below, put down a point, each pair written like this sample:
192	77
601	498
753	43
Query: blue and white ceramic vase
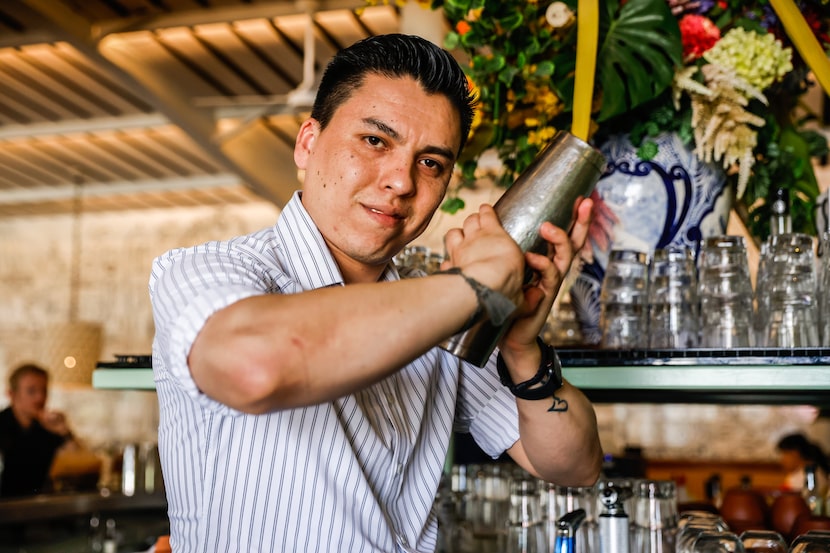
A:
672	199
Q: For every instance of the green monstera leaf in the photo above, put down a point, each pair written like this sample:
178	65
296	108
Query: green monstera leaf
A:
639	51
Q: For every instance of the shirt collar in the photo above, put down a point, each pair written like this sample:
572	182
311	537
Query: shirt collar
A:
305	252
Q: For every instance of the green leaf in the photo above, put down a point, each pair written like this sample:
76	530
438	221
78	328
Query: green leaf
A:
639	51
648	150
544	69
512	22
452	40
488	64
507	74
452	205
458	5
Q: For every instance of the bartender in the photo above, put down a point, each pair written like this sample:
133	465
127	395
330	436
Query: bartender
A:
30	436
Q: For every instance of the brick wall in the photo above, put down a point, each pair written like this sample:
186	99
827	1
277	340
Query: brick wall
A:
117	249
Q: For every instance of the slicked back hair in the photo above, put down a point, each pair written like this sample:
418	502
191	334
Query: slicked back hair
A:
394	56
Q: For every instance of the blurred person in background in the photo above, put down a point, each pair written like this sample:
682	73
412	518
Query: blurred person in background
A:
30	435
796	451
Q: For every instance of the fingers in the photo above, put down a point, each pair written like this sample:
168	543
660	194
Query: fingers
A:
485	219
579	232
487	215
453	240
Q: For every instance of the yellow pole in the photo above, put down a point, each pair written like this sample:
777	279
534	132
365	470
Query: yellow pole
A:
803	39
587	36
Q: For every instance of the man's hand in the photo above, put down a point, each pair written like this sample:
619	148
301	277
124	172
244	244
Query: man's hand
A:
54	422
484	251
539	295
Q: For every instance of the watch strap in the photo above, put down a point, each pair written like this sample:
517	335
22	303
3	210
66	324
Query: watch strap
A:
543	384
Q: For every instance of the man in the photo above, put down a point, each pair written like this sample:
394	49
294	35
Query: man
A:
304	404
30	436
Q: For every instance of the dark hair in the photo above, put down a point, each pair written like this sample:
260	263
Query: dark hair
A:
22	370
808	450
394	55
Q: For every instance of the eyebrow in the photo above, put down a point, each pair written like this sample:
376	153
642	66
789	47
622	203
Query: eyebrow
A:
392	133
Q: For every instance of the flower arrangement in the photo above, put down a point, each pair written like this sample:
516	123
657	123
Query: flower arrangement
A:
722	74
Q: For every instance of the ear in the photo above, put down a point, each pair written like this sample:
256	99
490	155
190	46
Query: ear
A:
306	138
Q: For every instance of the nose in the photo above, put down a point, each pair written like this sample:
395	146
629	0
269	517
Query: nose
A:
399	177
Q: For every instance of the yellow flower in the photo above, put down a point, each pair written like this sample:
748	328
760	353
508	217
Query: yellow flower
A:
544	100
541	137
474	15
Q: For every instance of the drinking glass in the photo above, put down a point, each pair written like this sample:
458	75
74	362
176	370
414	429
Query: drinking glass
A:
824	288
787	294
717	542
525	531
568	499
624	301
763	541
491	506
672	299
690	529
810	543
655	517
725	293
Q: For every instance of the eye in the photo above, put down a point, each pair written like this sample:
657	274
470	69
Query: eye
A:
374	140
433	164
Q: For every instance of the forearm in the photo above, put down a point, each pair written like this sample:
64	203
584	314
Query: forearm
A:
281	351
561	445
558	438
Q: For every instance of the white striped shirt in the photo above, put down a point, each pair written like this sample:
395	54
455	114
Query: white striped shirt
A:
358	474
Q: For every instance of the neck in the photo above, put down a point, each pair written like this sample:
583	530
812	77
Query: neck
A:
356	272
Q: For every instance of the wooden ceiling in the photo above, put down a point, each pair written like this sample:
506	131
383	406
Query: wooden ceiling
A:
123	104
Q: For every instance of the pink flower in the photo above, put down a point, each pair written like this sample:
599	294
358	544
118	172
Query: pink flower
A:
698	34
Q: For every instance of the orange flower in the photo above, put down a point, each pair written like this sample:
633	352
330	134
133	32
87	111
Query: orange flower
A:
462	27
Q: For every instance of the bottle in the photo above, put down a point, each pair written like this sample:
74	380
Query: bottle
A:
96	533
714	490
110	537
780	222
811	495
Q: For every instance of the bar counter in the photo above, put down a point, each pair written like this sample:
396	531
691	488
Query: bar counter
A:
55	506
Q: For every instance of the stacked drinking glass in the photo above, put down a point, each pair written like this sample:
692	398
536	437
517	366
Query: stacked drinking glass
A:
672	293
787	305
624	301
725	290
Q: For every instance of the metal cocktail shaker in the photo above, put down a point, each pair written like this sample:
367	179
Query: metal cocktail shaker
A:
567	169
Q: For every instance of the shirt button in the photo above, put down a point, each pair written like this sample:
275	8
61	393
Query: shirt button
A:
399	468
390	397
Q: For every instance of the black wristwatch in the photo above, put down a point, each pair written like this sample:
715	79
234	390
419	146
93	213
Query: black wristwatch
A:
547	380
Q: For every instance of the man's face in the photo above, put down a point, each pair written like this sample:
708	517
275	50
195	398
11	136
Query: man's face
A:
29	398
790	460
377	173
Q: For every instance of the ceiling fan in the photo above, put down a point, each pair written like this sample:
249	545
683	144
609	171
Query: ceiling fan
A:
252	107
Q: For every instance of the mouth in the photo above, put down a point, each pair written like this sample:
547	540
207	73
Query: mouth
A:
387	216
